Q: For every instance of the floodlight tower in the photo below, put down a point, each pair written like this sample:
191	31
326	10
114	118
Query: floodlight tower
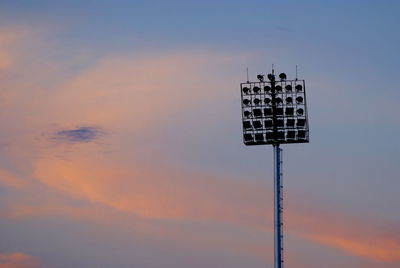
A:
275	112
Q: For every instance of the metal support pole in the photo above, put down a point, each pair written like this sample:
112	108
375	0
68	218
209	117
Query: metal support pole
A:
278	260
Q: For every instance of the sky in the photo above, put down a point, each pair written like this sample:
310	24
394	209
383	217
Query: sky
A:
121	143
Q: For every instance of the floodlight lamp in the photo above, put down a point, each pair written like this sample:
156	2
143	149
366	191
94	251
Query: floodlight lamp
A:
256	101
246	90
301	122
246	124
301	134
260	77
282	76
300	111
247	113
299	87
257	124
278	88
248	137
291	134
289	111
246	102
267	89
288	87
278	100
268	123
280	135
267	100
259	137
257	112
299	99
271	77
290	122
289	100
256	89
267	112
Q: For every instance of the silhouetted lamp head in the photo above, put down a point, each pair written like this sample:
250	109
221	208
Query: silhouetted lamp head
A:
246	90
248	137
267	100
299	87
260	77
278	100
278	88
247	113
246	124
256	89
300	111
256	101
267	89
257	124
282	76
259	137
299	99
288	87
271	77
289	100
246	102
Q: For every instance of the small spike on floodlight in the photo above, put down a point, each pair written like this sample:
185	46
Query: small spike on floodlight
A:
271	77
260	77
282	76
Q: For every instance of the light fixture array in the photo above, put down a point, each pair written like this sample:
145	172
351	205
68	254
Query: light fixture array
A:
274	112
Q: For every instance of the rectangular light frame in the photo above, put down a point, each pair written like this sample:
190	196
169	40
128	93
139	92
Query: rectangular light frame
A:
277	112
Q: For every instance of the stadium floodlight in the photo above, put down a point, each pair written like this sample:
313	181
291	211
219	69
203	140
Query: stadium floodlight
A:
282	76
273	117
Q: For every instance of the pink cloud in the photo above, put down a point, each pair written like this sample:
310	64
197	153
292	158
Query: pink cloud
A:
19	260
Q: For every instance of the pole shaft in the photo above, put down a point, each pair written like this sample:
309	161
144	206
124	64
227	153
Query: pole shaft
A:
278	260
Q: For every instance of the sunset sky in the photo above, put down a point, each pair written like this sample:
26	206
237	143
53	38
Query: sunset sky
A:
121	141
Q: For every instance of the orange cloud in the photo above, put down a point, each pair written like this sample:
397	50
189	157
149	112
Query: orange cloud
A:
19	260
9	180
384	249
